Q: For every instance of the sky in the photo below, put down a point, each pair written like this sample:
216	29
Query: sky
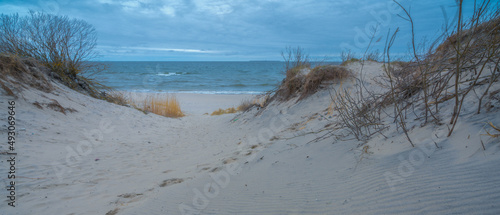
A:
243	30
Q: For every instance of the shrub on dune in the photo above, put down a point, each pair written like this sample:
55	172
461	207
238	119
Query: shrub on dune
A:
322	74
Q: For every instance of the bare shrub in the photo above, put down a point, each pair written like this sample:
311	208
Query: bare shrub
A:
296	66
357	114
467	58
65	46
295	60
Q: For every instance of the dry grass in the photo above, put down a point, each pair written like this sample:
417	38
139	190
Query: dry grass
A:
116	98
303	82
7	90
164	105
38	105
259	101
495	128
54	105
348	57
222	111
160	104
17	72
321	74
349	61
245	105
296	66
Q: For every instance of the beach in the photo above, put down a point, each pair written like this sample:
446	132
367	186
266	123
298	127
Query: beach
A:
94	157
198	104
249	107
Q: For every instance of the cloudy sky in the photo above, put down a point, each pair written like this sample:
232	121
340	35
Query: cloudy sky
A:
232	30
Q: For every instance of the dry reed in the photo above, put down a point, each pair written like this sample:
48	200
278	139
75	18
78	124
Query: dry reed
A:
160	104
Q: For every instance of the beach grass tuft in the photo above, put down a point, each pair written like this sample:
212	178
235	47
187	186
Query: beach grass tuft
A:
245	105
321	74
349	61
161	104
224	111
21	72
258	101
348	57
164	105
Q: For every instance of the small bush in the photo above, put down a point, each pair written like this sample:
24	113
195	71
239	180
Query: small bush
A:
65	46
296	65
295	60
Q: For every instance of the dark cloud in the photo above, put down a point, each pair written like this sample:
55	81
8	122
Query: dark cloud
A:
237	29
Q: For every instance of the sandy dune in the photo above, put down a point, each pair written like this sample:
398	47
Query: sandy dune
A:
101	158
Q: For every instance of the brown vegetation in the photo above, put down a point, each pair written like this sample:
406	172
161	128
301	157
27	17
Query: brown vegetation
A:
164	105
308	81
62	45
466	61
495	128
302	81
17	73
323	74
224	111
54	105
348	57
245	105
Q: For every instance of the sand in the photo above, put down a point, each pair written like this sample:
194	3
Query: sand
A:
199	104
102	158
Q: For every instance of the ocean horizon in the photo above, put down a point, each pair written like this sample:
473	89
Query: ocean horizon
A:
200	77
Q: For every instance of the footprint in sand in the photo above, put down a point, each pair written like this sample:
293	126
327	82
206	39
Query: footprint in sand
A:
113	212
215	169
205	169
229	160
127	198
171	181
129	195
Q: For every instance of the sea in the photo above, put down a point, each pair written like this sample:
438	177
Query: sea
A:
250	77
